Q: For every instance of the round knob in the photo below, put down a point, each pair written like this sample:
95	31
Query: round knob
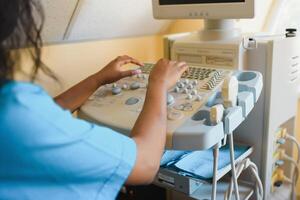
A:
125	87
135	86
194	92
186	81
199	98
116	90
176	89
190	86
170	99
185	91
189	96
132	101
180	85
175	115
114	85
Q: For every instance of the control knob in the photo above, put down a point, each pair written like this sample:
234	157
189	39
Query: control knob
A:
199	98
135	86
190	86
125	86
185	91
180	85
194	92
116	90
189	96
170	99
176	89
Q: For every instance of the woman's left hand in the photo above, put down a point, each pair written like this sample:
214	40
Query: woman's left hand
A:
113	71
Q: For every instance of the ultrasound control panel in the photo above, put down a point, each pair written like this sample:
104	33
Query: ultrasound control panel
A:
118	105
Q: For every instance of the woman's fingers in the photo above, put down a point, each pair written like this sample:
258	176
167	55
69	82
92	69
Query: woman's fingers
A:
130	73
182	67
123	60
181	64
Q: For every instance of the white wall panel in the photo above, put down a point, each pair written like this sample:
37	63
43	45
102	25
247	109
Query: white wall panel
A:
104	19
290	16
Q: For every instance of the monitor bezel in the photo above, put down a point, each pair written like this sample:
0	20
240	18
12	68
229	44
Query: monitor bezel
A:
234	10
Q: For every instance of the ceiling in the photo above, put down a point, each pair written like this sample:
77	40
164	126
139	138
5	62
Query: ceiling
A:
76	20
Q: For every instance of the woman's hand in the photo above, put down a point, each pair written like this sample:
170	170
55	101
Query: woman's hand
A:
166	73
73	98
113	71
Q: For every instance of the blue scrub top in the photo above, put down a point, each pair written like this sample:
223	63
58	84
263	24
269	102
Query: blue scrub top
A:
46	153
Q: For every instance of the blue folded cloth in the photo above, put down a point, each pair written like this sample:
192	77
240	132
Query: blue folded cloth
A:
200	163
169	157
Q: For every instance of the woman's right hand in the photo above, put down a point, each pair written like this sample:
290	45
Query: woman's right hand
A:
166	73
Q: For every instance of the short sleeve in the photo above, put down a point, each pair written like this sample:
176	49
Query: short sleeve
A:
119	151
52	154
96	162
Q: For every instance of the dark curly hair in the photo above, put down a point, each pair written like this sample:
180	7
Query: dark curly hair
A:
21	23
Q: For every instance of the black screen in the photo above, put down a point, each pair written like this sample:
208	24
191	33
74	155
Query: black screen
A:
174	2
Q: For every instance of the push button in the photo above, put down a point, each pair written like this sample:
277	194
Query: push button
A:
170	99
173	115
116	90
135	86
132	101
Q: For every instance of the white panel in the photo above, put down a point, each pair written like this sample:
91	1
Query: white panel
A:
57	17
290	16
256	25
103	19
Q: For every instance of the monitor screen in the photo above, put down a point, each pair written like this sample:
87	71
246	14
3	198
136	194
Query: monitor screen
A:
176	2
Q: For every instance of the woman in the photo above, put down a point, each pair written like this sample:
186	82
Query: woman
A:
45	153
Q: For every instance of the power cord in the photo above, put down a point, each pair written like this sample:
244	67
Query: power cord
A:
294	140
243	165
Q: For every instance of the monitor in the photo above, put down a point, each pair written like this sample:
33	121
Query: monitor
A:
203	9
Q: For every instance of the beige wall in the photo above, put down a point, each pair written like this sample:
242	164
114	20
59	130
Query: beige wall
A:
74	62
180	26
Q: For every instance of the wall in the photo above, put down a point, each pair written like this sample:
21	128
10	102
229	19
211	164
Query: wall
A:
180	26
74	62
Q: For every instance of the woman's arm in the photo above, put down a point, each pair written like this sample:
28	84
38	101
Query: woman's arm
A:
149	132
150	129
73	98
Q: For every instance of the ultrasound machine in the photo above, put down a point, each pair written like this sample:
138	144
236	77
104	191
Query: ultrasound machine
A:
220	112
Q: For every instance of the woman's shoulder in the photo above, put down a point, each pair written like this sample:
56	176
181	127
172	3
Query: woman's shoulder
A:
26	94
19	87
